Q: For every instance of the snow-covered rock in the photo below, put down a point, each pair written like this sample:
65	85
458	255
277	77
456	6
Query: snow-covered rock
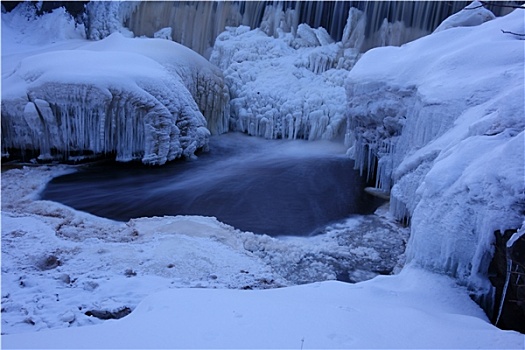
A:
472	15
444	115
137	98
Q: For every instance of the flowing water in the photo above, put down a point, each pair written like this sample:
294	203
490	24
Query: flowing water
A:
273	187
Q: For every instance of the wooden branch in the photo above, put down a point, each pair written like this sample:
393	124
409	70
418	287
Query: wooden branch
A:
517	34
473	8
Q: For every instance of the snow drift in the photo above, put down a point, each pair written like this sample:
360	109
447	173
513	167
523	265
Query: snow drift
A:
137	98
444	117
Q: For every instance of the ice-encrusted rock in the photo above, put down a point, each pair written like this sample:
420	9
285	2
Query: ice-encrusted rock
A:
444	119
137	98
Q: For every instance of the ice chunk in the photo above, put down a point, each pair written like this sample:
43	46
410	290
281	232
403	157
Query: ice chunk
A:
289	86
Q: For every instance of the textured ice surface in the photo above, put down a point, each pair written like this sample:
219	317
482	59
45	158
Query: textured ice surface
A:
444	117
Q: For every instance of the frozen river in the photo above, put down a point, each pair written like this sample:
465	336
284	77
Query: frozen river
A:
273	187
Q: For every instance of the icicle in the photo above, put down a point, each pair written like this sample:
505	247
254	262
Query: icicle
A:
505	287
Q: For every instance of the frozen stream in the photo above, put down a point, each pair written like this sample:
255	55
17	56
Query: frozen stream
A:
273	187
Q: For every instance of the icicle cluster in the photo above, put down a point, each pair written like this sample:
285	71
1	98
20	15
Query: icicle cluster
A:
132	97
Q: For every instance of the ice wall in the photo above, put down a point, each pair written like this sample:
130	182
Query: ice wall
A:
443	116
136	98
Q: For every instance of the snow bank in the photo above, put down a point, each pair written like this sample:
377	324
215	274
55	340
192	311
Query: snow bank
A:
433	313
288	85
444	117
138	98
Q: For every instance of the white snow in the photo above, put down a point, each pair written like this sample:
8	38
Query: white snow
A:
445	116
412	310
472	15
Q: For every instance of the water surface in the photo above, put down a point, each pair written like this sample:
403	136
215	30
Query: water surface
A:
273	187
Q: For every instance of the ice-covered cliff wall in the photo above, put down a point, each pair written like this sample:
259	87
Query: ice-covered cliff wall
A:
138	98
444	116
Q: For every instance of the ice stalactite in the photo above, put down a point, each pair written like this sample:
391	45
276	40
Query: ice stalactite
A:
127	97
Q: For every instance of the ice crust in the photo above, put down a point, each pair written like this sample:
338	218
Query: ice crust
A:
445	121
138	98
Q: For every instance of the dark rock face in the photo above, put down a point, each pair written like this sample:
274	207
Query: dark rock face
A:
109	315
75	8
507	275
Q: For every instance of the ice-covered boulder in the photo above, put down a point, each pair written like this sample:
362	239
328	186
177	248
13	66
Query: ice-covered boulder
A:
137	98
444	116
472	15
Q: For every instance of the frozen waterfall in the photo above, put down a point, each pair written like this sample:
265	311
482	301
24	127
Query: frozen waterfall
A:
387	22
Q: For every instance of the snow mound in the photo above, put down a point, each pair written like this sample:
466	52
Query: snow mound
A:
289	85
144	99
444	118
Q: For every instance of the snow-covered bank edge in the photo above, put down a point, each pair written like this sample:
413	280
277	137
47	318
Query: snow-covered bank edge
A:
415	309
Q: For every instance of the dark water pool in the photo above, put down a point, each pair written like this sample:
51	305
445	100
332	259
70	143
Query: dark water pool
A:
273	187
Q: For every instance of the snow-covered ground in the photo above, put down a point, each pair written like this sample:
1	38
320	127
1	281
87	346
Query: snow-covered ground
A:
187	280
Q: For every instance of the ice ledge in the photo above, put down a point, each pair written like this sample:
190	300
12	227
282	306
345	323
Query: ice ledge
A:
135	98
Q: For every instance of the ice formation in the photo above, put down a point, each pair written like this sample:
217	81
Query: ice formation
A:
135	97
287	85
444	120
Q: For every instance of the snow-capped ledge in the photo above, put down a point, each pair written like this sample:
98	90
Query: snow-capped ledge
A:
444	117
133	97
